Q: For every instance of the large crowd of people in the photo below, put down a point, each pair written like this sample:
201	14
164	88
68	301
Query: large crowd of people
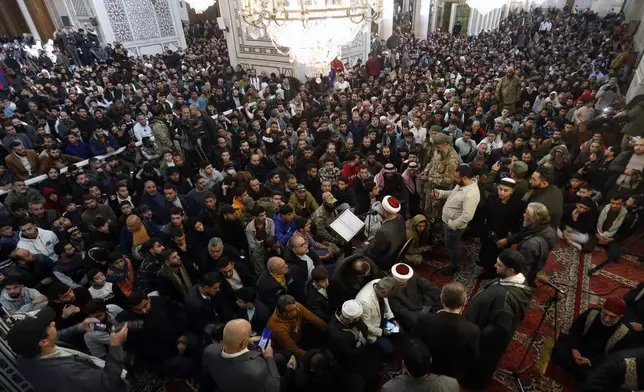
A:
161	213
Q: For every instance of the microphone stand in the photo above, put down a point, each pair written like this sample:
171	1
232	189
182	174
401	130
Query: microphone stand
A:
519	370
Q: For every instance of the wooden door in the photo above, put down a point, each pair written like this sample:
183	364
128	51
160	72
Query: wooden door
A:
12	23
42	18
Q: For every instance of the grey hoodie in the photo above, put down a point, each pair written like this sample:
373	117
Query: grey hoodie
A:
24	303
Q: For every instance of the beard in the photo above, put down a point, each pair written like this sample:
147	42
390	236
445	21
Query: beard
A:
609	324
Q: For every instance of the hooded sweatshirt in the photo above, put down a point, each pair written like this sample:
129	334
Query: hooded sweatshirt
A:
24	303
43	244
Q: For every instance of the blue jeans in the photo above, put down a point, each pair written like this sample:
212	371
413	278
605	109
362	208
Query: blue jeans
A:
452	242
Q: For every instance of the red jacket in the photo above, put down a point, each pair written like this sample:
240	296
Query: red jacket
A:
373	68
349	172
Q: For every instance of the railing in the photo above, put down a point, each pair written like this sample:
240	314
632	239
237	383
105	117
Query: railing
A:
37	179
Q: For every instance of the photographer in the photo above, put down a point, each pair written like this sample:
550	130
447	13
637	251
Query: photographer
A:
49	367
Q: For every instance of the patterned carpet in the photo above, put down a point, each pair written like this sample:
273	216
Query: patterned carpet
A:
568	267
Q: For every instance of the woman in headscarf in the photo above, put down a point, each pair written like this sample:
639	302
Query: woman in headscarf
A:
418	239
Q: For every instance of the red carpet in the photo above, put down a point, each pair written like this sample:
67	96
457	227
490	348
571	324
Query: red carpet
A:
568	267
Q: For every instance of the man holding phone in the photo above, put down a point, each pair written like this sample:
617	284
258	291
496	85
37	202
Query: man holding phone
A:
236	365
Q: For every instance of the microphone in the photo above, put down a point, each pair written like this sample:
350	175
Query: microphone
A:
546	280
372	213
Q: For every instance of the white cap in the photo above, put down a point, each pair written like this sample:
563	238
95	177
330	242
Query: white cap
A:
351	309
402	272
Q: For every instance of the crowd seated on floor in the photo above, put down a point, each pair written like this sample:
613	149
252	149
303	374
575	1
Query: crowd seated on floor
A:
162	217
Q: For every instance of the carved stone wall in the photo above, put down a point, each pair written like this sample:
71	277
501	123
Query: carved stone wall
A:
142	26
358	49
258	53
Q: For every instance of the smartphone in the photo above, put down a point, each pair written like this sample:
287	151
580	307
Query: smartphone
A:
391	327
263	340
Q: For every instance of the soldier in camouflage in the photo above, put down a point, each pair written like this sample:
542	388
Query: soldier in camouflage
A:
323	217
429	147
160	130
440	173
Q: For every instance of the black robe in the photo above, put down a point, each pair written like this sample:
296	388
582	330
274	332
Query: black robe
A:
497	310
500	219
620	372
593	340
388	242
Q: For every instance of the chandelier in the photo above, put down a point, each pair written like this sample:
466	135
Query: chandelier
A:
200	5
311	32
485	6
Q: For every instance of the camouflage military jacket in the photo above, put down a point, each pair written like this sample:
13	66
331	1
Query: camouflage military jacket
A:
322	219
441	171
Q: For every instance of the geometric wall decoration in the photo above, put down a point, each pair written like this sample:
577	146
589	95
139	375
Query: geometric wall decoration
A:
118	20
139	20
80	7
164	18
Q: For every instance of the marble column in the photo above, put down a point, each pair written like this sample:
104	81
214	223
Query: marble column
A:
452	17
30	22
421	18
386	26
470	23
499	17
434	16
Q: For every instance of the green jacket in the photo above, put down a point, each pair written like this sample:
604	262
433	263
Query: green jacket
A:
305	209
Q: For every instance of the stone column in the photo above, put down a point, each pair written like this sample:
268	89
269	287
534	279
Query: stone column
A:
471	22
386	26
452	17
30	22
499	17
405	7
421	18
434	16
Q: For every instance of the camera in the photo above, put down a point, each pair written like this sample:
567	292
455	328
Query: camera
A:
107	327
504	161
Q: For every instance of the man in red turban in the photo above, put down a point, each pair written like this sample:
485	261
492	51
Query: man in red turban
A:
593	335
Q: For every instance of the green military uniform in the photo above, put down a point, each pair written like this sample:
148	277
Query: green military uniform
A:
268	205
427	151
441	174
322	218
521	187
508	92
161	135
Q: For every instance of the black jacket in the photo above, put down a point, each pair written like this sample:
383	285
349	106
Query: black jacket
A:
452	340
388	242
344	284
201	312
189	206
408	302
162	325
248	280
146	276
260	317
497	310
269	290
552	198
318	303
170	285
